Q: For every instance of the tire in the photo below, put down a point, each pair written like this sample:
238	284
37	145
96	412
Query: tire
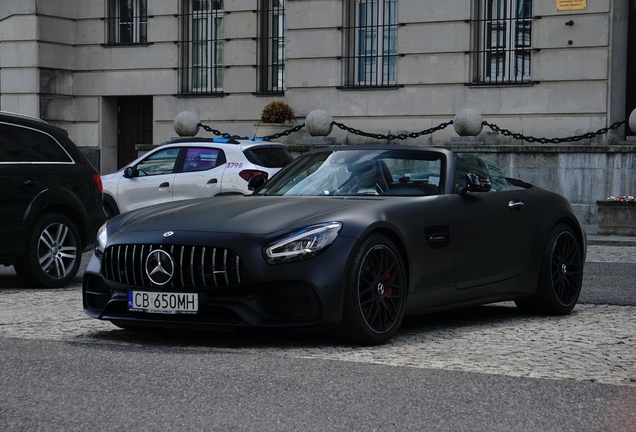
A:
53	253
560	276
110	213
375	293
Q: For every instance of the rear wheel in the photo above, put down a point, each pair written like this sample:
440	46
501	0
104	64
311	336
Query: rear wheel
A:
561	274
53	253
375	293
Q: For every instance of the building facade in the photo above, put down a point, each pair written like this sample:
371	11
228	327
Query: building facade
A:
115	73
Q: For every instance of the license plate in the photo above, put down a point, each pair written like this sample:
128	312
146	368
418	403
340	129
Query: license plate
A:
162	302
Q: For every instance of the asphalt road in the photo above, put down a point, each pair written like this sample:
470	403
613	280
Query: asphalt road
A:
483	369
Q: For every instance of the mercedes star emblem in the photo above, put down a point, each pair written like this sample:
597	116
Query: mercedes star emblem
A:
159	267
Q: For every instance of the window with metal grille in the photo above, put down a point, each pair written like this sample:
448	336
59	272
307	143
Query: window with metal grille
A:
370	38
201	47
504	38
126	22
271	47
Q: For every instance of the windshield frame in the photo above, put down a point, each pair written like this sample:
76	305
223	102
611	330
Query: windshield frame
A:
368	160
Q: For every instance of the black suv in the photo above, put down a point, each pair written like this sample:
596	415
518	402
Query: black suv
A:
51	201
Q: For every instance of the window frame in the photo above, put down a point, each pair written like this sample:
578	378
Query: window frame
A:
137	23
370	44
201	55
503	43
271	47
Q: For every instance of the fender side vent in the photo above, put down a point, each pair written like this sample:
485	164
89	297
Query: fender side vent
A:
437	237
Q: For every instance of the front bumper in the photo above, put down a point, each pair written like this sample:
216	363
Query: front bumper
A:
306	293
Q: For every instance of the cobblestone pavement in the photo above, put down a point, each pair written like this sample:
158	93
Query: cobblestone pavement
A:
594	343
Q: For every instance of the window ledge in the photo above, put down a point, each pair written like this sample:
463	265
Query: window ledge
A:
201	94
387	87
126	45
502	84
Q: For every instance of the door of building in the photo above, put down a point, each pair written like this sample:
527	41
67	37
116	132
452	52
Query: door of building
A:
134	126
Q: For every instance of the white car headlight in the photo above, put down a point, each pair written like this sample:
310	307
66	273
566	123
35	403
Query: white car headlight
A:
100	243
302	244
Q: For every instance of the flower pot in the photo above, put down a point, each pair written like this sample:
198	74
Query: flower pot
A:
617	218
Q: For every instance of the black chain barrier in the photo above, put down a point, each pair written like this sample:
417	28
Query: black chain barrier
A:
392	137
506	132
403	136
268	137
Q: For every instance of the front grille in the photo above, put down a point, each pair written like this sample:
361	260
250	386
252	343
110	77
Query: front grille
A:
194	266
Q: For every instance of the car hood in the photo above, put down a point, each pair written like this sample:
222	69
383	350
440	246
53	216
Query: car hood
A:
238	214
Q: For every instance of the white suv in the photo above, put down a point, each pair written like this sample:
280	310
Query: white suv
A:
191	168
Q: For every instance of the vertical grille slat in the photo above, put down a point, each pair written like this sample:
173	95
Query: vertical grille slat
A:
192	280
203	268
227	281
141	264
238	269
134	259
193	266
181	265
214	266
126	265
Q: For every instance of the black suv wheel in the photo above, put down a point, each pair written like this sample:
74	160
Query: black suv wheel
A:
52	201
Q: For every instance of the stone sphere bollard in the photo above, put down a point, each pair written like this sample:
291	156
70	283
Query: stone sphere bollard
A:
319	123
468	122
632	121
186	124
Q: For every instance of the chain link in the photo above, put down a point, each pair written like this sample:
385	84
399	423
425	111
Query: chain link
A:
217	132
506	132
284	133
267	137
403	136
392	137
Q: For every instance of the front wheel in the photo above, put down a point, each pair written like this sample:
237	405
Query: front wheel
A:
53	253
561	274
375	292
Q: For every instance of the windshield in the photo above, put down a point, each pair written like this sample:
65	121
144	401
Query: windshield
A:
360	172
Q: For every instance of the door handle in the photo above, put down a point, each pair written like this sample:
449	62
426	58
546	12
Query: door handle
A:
164	185
29	182
515	205
212	181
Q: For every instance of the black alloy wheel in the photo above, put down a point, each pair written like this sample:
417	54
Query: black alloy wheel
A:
53	253
561	274
566	269
375	294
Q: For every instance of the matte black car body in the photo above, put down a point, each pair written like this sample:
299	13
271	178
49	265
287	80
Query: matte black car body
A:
456	248
51	201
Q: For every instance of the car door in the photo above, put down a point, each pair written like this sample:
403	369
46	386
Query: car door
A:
493	232
151	181
200	174
19	183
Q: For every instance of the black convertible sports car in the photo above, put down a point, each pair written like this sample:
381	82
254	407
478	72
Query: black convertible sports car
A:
352	238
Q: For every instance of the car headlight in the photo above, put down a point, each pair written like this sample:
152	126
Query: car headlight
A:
302	244
100	243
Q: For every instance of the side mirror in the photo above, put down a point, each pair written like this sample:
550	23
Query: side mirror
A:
476	183
130	172
256	182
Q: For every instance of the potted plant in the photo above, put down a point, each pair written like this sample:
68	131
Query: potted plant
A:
617	215
277	112
276	117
